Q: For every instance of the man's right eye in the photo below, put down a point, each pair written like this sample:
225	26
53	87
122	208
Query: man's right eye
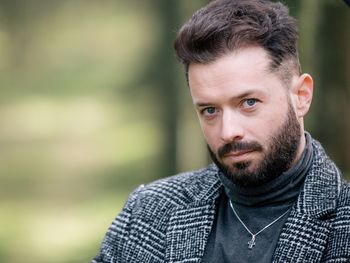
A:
209	112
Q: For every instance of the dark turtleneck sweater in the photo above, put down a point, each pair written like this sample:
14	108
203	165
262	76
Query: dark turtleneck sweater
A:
257	207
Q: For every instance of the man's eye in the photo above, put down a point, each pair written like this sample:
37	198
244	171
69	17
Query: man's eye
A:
209	112
249	103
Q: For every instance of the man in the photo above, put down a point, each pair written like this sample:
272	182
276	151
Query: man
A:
272	195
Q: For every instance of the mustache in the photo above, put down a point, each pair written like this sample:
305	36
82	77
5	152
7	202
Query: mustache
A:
239	146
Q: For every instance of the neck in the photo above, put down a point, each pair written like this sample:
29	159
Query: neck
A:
300	150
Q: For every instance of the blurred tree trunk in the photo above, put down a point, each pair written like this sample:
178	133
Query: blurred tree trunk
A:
333	84
165	70
16	18
309	18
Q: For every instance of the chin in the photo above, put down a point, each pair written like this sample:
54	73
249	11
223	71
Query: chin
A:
248	165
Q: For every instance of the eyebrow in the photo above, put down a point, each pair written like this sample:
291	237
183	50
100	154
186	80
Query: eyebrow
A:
238	97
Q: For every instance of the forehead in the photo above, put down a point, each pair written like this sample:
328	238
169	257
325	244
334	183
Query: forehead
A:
232	73
241	63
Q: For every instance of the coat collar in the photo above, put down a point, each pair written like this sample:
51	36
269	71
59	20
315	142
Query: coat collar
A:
322	186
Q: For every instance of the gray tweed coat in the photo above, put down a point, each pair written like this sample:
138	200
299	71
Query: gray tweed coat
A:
170	220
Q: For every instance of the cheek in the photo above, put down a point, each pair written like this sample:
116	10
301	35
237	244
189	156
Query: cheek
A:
267	127
211	135
274	116
272	125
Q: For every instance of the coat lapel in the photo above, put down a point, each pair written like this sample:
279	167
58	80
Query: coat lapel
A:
189	226
303	239
188	232
305	235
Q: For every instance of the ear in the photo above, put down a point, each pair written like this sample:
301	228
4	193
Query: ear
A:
302	91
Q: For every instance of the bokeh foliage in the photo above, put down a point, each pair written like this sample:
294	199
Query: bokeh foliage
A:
93	103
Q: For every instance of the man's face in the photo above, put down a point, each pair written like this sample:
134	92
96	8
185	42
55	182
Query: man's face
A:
247	116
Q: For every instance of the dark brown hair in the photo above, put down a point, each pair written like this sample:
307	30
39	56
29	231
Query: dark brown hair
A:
227	25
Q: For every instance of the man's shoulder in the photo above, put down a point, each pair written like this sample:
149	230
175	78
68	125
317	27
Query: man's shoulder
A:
344	197
182	189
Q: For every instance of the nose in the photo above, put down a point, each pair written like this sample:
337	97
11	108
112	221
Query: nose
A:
231	127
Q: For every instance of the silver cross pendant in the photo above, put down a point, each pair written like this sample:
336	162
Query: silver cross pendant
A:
251	243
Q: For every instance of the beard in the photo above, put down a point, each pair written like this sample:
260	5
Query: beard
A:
280	153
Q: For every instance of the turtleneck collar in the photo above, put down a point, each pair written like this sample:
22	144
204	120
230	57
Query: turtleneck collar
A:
283	189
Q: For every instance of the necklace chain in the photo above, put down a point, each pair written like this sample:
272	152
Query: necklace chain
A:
251	243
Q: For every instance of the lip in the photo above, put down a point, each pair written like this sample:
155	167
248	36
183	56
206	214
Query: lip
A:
238	156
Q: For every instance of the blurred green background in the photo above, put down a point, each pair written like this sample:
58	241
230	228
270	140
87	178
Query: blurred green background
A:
93	103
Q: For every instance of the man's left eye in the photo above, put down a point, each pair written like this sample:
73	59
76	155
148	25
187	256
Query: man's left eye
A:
249	103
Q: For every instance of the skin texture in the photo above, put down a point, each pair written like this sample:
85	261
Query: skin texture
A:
241	103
